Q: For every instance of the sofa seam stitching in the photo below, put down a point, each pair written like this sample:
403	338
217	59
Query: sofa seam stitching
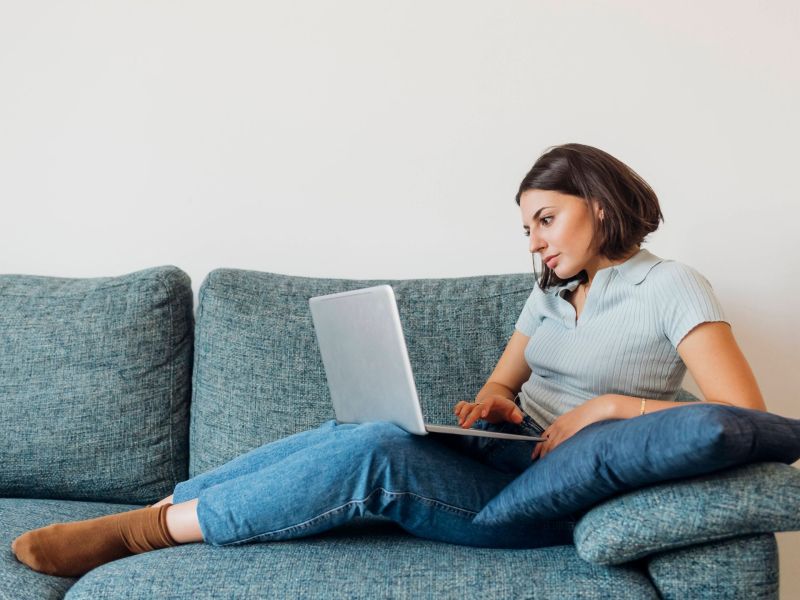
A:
110	285
221	289
171	415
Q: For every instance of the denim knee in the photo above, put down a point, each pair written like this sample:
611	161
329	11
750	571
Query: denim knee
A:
381	437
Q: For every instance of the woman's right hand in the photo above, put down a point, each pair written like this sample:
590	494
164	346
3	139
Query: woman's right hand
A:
493	408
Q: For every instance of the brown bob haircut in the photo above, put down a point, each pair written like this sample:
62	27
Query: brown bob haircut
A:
630	206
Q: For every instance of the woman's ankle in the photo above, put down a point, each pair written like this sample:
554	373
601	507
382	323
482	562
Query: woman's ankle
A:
182	522
167	500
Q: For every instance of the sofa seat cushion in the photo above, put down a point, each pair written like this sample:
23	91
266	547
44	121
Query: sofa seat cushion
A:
756	498
18	515
365	559
95	380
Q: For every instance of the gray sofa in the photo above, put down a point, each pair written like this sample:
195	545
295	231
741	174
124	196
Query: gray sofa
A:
112	390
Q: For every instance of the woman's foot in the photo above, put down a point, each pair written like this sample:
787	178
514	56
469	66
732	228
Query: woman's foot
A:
72	549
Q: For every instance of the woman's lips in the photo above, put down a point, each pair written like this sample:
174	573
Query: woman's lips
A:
552	262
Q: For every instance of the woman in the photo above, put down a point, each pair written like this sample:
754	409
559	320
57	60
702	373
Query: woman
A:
613	329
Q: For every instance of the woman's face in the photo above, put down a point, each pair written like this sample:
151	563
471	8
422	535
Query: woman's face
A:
560	225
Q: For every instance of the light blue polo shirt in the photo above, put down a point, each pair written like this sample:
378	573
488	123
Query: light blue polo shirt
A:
635	315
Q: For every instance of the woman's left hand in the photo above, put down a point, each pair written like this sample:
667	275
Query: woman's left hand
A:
564	427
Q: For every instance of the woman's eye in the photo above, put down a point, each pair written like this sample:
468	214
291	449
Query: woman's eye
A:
527	232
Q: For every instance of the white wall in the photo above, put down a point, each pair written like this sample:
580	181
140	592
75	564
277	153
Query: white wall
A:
386	139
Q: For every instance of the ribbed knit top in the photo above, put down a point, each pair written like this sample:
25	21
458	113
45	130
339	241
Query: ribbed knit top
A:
625	341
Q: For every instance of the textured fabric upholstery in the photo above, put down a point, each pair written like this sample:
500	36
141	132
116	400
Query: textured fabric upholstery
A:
95	377
381	561
18	582
742	568
756	498
351	563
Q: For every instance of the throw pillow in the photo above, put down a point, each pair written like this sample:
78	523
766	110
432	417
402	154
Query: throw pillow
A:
615	456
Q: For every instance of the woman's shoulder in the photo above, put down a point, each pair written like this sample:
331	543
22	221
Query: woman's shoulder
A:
673	277
669	269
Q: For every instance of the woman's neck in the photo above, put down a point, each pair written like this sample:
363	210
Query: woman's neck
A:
601	262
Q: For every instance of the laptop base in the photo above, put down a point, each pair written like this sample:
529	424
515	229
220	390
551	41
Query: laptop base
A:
481	433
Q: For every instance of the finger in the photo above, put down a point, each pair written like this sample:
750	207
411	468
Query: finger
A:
537	451
557	443
487	406
552	442
556	439
466	410
468	419
542	449
542	446
472	416
545	450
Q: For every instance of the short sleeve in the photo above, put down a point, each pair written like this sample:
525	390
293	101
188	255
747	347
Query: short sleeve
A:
687	300
530	317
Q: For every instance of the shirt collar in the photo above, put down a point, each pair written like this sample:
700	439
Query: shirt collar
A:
637	267
634	270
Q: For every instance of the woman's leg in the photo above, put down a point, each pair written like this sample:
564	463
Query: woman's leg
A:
69	549
429	489
251	461
182	520
182	515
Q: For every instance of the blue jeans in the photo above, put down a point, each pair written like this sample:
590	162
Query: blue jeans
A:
432	486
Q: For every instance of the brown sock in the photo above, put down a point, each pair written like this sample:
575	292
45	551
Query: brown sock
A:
72	549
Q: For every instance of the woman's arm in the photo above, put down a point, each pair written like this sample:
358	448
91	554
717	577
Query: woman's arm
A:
511	370
495	400
713	357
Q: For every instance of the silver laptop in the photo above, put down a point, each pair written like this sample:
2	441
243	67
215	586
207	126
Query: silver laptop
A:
366	362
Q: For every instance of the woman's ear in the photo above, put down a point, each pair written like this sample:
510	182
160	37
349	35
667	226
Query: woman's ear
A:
597	210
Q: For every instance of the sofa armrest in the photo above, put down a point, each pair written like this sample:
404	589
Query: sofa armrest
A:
754	498
742	567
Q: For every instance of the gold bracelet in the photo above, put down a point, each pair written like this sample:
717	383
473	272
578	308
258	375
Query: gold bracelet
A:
641	410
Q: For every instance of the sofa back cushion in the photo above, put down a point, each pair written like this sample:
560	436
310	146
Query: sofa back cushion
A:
95	380
258	374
